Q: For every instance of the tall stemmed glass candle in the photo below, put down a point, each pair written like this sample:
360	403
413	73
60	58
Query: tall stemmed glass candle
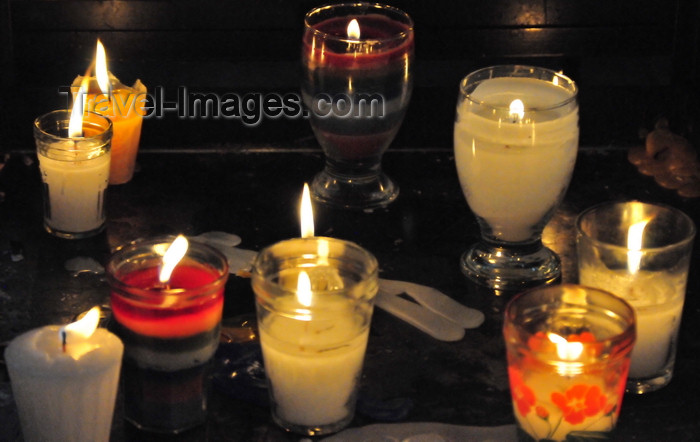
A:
167	301
357	61
515	141
64	380
74	164
568	350
640	252
314	299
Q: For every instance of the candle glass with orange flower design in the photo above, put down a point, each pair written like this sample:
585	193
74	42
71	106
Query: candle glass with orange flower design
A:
568	350
170	330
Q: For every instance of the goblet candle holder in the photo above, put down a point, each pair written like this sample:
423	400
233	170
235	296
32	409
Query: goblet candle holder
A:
357	62
515	141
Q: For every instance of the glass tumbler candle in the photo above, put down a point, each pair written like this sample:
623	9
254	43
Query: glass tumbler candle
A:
314	298
357	62
74	172
170	331
640	252
568	351
515	142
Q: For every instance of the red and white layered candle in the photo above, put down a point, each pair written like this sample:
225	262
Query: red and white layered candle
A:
357	77
170	331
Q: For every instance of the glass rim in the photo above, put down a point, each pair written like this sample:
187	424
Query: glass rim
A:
573	87
119	255
689	238
625	312
365	6
94	115
371	266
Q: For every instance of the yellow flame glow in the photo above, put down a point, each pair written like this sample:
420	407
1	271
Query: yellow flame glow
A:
517	109
101	68
83	328
354	29
635	235
567	351
172	257
75	125
306	214
304	289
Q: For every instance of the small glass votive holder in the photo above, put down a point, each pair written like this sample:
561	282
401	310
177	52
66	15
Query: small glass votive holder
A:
170	332
640	252
568	349
314	299
74	172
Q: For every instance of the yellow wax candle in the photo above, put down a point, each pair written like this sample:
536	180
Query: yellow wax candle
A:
125	107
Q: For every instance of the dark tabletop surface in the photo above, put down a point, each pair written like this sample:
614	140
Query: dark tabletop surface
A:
408	376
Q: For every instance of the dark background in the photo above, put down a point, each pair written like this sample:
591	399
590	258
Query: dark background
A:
633	60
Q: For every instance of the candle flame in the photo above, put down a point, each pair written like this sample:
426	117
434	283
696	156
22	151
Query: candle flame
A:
83	328
354	29
75	125
306	214
635	234
101	68
304	289
568	351
517	109
172	257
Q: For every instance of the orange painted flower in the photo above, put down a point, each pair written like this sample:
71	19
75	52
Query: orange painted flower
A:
579	402
523	396
542	412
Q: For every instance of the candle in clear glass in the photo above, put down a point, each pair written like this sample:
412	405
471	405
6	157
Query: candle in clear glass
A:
313	349
357	89
568	351
514	166
75	173
170	331
650	275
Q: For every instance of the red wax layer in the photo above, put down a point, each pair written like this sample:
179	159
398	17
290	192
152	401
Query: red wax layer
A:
380	43
182	310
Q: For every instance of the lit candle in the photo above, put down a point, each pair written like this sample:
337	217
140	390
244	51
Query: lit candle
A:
167	300
65	379
640	252
124	105
568	353
314	314
514	161
74	155
366	56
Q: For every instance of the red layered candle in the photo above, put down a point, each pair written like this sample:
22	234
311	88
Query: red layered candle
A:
357	88
170	331
168	312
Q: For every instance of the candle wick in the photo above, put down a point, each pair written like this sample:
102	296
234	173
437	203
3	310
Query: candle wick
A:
63	339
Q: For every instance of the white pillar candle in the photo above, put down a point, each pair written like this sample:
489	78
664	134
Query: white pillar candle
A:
657	298
64	393
512	169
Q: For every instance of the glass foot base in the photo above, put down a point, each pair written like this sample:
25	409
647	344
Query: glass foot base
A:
641	386
73	235
364	192
511	268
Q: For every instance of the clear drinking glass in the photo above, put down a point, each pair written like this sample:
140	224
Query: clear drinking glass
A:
640	252
515	141
74	172
314	299
356	84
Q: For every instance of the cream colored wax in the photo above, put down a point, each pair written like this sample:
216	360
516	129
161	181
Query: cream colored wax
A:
64	396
